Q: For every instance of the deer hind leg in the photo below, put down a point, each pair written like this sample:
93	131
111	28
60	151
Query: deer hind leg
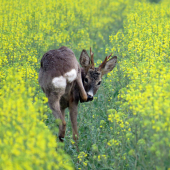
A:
62	127
54	103
73	118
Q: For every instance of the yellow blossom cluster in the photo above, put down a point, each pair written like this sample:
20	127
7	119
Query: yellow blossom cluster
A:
144	70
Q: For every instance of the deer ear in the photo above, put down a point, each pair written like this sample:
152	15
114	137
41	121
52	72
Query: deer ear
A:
109	65
84	59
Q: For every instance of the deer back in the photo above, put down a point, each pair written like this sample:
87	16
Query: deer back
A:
58	68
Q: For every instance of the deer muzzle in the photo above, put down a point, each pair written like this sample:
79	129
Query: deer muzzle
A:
89	98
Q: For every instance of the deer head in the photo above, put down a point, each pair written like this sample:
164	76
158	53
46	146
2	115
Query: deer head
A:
92	77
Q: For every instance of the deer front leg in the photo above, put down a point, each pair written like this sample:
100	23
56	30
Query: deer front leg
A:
73	117
83	93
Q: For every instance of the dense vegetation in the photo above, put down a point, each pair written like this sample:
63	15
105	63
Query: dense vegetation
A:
127	125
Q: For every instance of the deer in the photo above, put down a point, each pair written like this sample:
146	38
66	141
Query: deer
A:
66	84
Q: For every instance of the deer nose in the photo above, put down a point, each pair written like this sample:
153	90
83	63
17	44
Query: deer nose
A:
90	98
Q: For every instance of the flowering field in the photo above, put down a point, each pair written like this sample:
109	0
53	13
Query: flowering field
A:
142	111
127	126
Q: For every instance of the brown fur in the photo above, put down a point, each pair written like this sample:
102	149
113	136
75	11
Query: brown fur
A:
56	63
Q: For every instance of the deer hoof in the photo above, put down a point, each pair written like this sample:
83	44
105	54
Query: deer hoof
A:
61	138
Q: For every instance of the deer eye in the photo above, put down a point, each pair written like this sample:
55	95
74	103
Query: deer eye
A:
99	83
86	80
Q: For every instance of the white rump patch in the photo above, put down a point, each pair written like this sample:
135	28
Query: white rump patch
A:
59	82
90	93
71	75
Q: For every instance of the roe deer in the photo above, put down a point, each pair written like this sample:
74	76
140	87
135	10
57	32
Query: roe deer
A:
65	83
